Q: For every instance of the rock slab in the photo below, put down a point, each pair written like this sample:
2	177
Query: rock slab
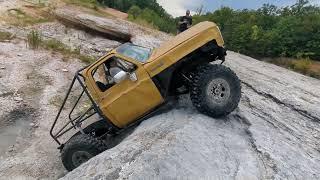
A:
274	134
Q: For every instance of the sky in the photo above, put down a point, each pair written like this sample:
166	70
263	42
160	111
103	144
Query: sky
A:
179	7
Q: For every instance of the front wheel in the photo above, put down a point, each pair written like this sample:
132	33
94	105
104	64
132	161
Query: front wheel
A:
215	90
80	149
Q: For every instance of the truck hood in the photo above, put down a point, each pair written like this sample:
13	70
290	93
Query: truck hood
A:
182	37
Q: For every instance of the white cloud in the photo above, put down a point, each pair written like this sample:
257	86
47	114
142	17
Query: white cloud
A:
178	7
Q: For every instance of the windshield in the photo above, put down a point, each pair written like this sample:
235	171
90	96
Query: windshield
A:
138	53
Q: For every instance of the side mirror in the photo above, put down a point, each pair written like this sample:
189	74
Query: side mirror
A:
133	77
120	76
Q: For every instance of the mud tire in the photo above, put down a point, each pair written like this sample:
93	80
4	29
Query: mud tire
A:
80	149
205	102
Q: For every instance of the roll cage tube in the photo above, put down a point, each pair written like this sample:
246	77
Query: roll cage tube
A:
75	123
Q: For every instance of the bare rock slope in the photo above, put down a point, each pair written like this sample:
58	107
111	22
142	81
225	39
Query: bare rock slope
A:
274	134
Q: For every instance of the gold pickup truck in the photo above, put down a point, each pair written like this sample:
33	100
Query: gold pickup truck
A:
131	83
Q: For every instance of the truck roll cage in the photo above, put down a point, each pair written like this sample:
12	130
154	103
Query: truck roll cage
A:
76	122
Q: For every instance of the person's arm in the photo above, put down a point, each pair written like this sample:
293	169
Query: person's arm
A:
180	20
189	23
183	20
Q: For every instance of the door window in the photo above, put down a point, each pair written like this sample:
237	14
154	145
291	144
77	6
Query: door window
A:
104	74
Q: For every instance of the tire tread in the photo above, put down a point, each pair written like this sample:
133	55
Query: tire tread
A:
78	141
205	73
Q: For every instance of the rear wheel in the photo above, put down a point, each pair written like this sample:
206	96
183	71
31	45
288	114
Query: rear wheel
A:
215	90
79	149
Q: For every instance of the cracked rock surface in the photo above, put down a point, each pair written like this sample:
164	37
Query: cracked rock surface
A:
274	134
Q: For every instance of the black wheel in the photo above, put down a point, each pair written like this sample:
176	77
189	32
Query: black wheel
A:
215	90
80	149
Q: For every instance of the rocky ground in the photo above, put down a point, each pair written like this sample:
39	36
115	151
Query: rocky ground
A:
274	134
30	80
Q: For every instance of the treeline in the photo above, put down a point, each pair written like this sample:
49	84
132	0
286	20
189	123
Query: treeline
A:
269	31
144	11
292	31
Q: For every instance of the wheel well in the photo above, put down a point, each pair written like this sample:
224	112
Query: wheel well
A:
172	78
99	128
208	53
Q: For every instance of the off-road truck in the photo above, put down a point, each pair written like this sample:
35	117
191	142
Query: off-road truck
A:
130	83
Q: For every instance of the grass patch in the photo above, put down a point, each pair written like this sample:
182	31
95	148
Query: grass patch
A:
56	101
304	66
142	22
35	41
21	19
53	44
86	59
41	3
5	36
66	51
92	4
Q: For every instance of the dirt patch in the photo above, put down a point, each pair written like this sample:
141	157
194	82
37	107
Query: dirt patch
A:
17	123
116	13
34	86
16	115
6	36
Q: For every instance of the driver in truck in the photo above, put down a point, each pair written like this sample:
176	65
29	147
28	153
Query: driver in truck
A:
110	70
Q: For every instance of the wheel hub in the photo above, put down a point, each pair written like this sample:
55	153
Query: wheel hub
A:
218	91
80	157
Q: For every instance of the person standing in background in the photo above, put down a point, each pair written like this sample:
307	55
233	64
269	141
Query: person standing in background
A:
185	22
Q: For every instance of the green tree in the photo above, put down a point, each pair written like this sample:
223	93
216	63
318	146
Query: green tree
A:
135	11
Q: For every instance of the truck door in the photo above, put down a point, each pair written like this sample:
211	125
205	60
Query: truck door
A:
125	102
